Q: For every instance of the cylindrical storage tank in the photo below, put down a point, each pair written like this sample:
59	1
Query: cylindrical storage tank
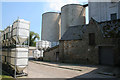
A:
50	26
20	30
72	15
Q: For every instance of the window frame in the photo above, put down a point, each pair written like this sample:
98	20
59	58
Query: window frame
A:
91	38
115	14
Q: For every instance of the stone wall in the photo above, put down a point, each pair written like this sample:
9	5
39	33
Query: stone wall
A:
79	51
51	54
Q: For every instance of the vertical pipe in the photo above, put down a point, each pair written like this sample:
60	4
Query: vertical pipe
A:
28	50
16	48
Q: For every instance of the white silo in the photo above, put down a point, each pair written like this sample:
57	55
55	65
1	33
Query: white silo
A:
2	37
8	35
50	26
19	59
43	45
20	32
72	15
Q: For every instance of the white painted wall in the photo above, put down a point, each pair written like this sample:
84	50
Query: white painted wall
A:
101	11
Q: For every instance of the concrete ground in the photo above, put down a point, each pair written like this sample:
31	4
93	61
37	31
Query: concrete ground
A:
39	69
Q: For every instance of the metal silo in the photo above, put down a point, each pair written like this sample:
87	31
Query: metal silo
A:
50	26
71	15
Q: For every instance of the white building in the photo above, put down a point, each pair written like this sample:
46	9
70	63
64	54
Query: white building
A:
104	11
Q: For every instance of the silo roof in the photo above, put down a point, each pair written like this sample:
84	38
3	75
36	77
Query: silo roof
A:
50	12
71	4
76	32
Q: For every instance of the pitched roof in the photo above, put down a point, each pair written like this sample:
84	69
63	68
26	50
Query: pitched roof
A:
74	32
110	28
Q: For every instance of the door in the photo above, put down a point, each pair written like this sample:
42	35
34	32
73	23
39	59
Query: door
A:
57	56
106	55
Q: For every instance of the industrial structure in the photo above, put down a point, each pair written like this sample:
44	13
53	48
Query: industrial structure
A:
15	44
50	26
71	15
104	11
91	44
42	46
94	43
55	24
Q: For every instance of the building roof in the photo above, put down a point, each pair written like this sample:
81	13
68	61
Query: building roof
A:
74	32
109	29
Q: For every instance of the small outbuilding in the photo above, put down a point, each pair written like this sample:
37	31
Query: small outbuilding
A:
95	43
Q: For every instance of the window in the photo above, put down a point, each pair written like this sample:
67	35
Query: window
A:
114	16
91	38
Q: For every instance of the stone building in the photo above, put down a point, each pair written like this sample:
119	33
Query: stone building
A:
51	54
95	43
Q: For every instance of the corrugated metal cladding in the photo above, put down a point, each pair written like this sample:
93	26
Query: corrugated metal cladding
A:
50	26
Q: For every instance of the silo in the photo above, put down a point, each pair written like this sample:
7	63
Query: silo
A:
20	31
72	15
8	35
50	26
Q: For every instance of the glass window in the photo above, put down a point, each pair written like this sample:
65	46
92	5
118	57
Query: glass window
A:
114	16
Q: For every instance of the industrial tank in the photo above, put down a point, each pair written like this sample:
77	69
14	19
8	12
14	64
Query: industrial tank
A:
50	26
19	58
8	35
4	55
38	54
2	37
20	31
43	44
72	15
14	55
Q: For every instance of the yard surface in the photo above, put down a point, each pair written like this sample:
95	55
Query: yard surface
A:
39	69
